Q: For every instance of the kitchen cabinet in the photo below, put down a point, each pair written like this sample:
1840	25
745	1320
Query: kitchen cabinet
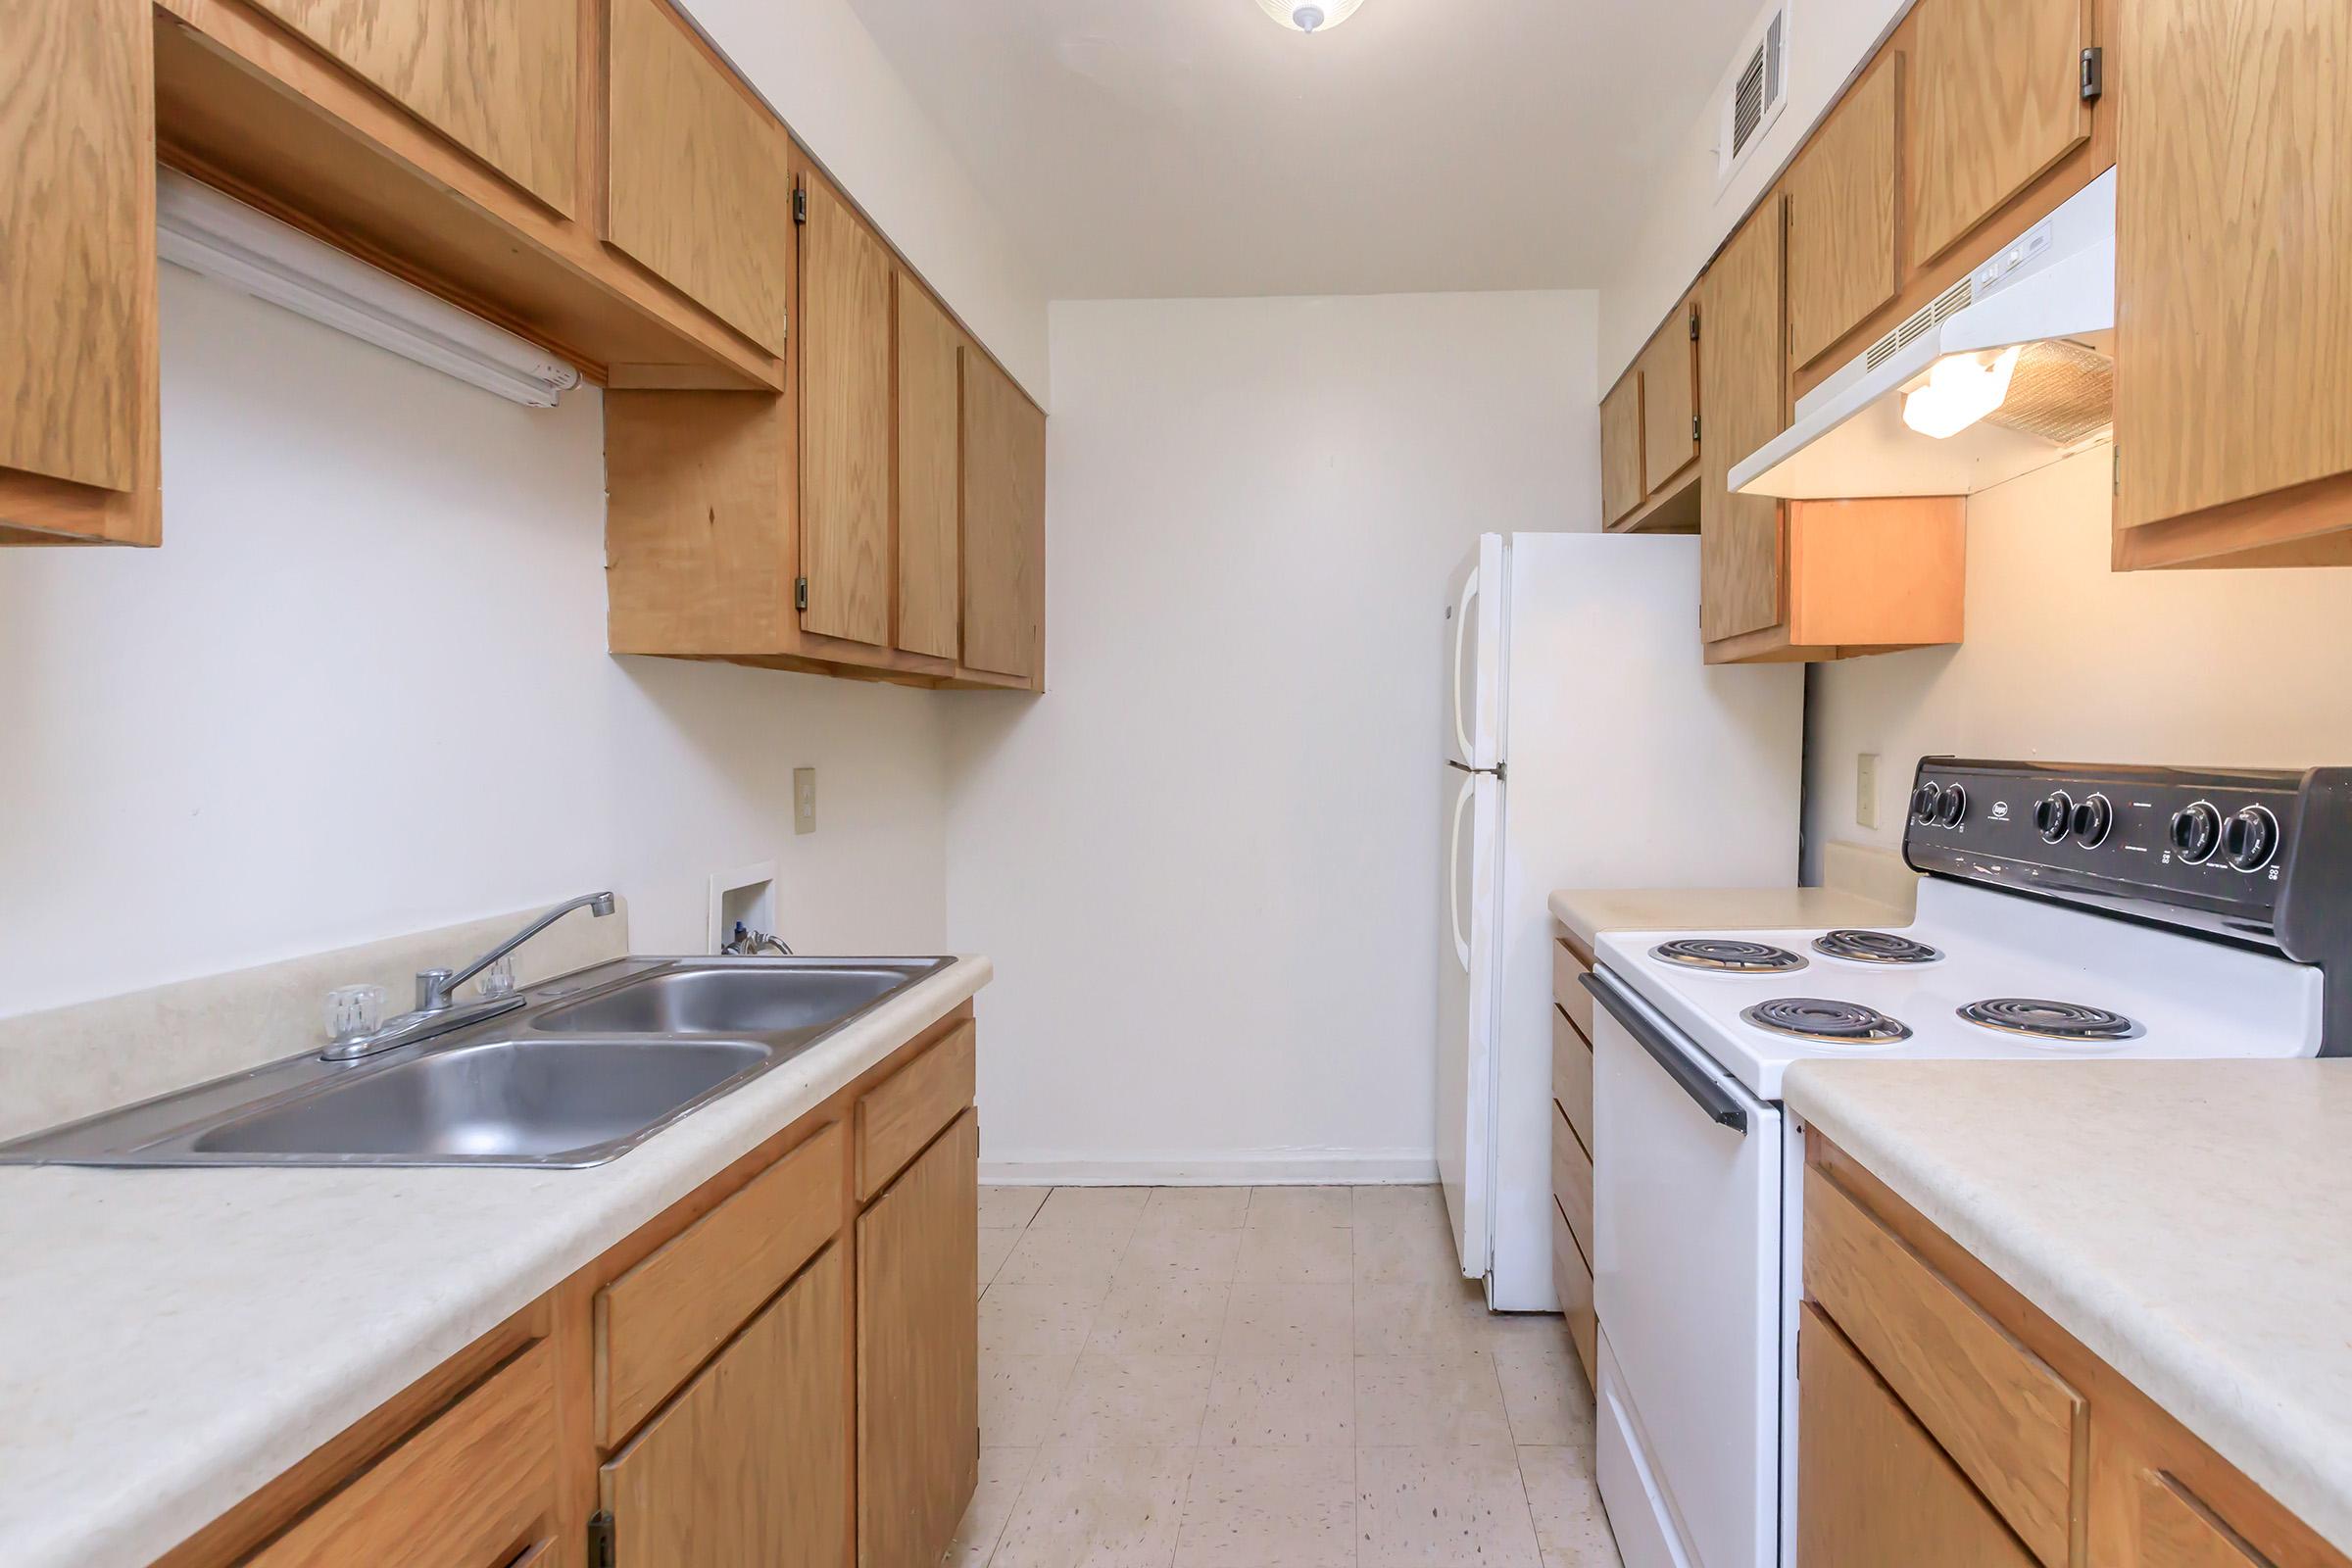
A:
1997	101
1649	435
1572	1145
930	392
1743	387
1004	524
1621	487
1840	194
78	432
845	353
2233	286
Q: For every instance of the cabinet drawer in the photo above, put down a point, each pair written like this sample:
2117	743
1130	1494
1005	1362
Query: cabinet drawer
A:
899	1115
1567	987
469	1490
662	1319
2010	1423
2176	1531
1572	1178
1574	1278
1572	1076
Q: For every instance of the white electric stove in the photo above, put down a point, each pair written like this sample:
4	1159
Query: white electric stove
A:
2068	913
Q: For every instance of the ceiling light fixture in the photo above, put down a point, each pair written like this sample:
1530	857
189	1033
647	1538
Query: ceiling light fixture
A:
1309	15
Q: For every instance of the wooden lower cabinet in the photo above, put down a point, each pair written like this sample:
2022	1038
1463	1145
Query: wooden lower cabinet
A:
918	1355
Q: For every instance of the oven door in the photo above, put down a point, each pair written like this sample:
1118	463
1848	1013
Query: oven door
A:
1686	1283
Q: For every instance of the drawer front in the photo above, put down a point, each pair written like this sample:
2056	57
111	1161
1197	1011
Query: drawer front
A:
1574	1277
662	1319
1572	1178
1572	1076
1567	987
2176	1531
2012	1425
469	1490
907	1109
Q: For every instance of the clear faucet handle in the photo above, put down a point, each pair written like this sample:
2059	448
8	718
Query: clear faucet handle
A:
498	979
354	1010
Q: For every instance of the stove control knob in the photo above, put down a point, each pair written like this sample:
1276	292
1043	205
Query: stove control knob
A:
2251	838
2053	816
1924	802
2196	830
2094	819
1953	810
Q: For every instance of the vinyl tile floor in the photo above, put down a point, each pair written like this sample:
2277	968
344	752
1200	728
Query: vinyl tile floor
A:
1271	1377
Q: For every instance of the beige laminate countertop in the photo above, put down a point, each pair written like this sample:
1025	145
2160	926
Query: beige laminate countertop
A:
1587	912
172	1340
2191	1222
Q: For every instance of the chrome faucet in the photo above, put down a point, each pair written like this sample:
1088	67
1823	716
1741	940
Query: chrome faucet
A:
437	1010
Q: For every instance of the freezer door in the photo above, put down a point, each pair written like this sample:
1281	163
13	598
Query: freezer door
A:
1474	657
1467	986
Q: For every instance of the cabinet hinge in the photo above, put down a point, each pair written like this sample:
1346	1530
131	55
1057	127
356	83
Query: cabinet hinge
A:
2095	73
1694	428
600	1539
799	593
800	205
1693	323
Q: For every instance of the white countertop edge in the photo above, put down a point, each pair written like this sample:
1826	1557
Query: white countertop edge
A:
109	1506
2301	1462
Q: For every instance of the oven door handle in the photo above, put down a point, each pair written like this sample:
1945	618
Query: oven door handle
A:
1721	1106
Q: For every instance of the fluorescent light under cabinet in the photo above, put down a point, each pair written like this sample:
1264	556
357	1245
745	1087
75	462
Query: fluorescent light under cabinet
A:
205	232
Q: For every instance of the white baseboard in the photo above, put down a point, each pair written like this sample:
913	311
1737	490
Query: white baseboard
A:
1271	1167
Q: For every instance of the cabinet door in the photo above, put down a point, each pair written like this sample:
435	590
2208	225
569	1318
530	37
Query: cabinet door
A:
1004	521
77	241
1621	488
1743	386
928	399
1873	1489
1669	368
700	185
750	1463
844	422
2178	1531
918	1355
1842	255
499	77
2233	256
1997	101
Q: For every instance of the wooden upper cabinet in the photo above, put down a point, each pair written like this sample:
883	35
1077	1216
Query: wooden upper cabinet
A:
845	349
1004	523
77	270
1842	262
498	78
1745	389
700	178
2234	284
1669	367
929	394
1995	100
1621	487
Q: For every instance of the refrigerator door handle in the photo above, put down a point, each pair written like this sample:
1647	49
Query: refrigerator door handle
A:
1721	1108
1453	872
1461	627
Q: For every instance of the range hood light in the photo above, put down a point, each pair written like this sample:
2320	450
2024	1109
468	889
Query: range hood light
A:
1961	389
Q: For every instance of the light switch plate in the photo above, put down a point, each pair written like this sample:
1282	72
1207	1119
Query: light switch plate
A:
804	800
1866	789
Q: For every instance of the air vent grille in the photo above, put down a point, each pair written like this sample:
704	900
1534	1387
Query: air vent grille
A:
1752	97
1920	323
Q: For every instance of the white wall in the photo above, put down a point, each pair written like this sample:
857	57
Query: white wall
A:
2067	661
817	66
1685	218
1206	861
363	690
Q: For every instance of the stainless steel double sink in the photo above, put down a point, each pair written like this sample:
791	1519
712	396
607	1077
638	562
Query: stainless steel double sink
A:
591	1065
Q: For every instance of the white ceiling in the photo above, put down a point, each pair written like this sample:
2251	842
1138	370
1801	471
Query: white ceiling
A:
1146	148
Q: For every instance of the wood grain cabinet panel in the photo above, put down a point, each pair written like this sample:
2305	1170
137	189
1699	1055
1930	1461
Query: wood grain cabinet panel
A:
898	1117
1572	1178
1842	203
918	1355
930	391
2178	1531
1572	1076
1995	100
1669	366
1572	1277
498	78
1743	388
1004	523
845	284
76	255
1621	487
700	183
1568	969
1873	1489
749	1465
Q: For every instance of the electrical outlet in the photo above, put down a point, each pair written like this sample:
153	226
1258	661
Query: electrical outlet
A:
1866	789
804	800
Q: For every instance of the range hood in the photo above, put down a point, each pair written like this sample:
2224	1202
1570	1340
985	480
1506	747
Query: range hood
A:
2038	315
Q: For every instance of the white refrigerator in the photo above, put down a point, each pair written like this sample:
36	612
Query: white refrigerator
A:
1586	745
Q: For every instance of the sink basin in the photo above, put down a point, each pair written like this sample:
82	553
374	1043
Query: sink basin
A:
541	1100
732	1001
